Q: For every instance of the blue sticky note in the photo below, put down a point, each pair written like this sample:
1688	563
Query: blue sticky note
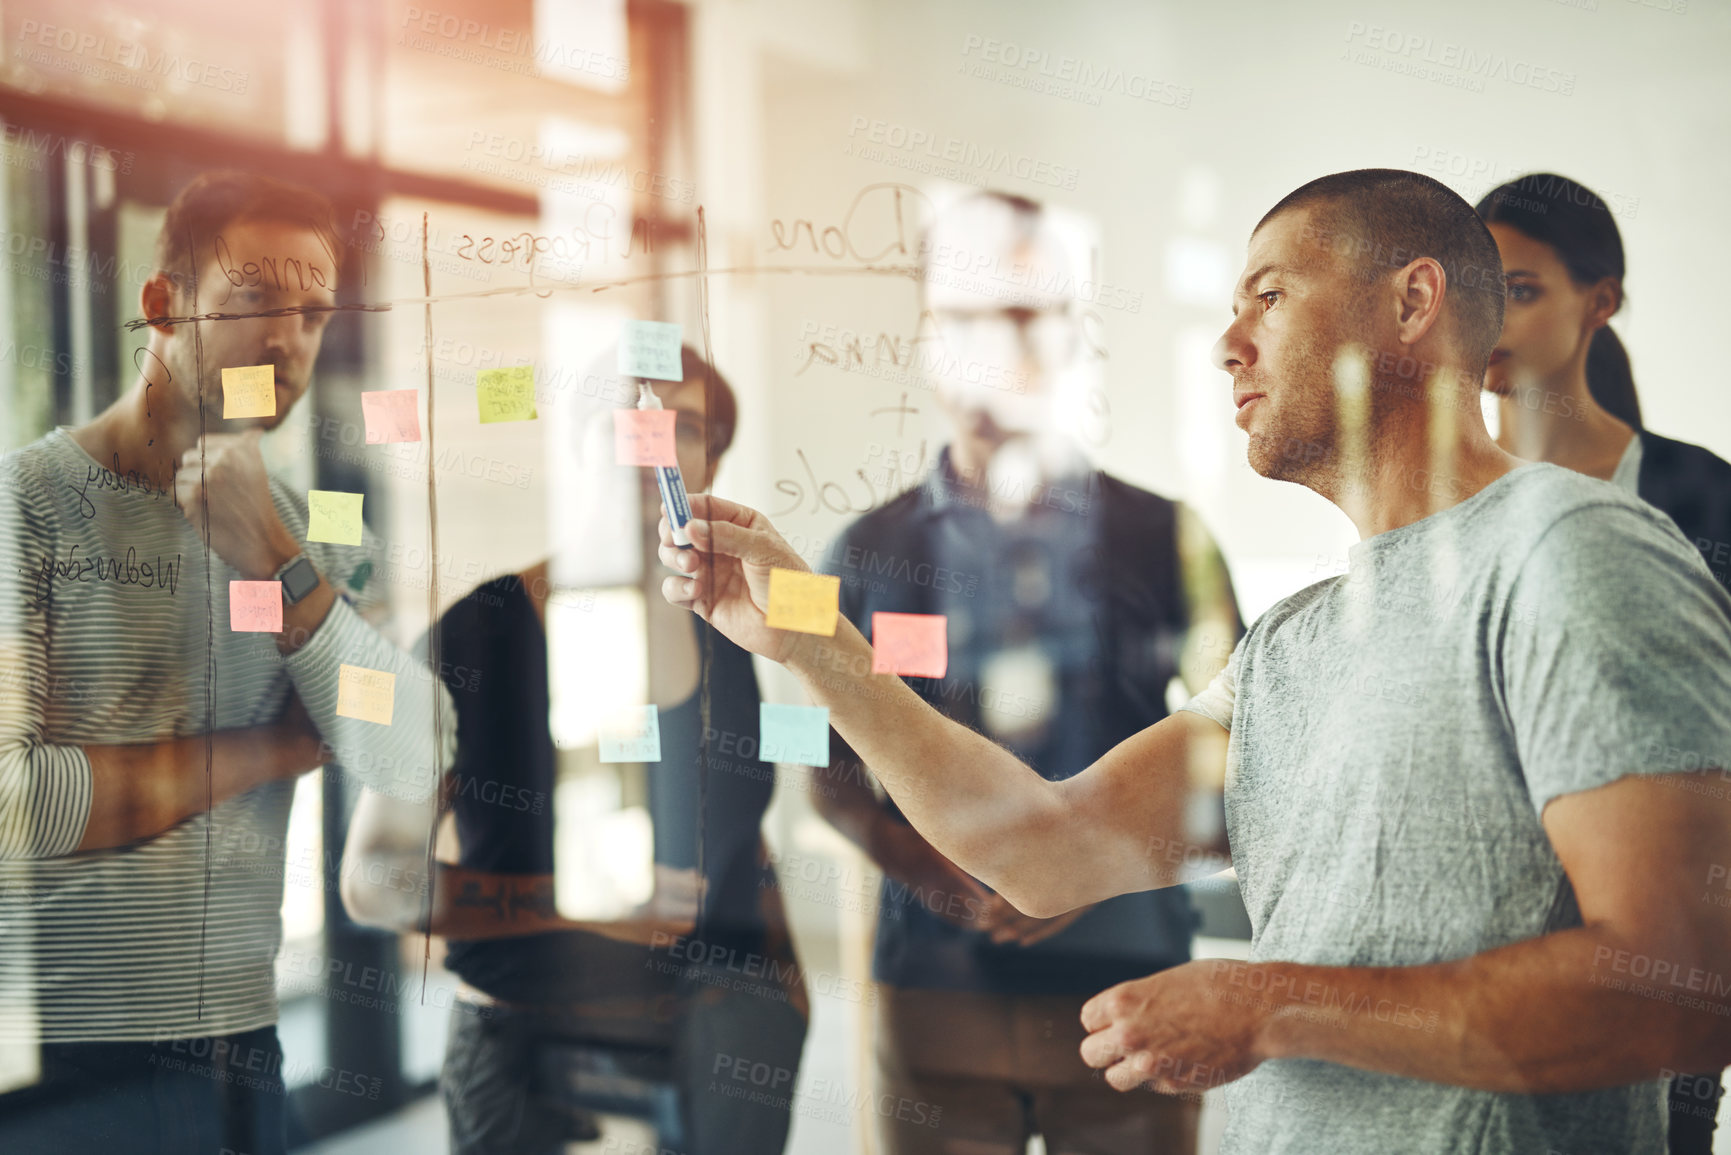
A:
793	734
650	349
633	736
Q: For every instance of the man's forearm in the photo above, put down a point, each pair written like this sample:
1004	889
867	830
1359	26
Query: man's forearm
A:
472	904
138	791
1559	1013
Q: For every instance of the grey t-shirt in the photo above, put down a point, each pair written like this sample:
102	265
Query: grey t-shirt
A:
1627	475
1396	732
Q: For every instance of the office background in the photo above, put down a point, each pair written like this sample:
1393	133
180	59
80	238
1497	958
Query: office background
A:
1162	131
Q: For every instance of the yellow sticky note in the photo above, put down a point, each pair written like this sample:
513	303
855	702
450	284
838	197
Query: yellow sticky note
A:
249	391
506	394
804	602
334	516
366	694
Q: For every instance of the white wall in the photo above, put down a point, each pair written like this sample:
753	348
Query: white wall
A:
1273	100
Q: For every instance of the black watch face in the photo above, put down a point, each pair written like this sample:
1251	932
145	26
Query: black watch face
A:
299	580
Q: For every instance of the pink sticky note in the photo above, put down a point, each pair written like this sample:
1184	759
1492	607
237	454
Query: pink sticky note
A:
644	436
255	607
392	415
916	645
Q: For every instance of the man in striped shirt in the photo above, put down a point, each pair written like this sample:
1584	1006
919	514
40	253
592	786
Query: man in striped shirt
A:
148	751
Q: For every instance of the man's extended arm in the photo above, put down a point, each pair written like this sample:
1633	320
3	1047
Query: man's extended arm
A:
1640	988
1045	846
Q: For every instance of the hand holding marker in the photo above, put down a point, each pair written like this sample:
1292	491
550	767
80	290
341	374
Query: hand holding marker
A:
674	502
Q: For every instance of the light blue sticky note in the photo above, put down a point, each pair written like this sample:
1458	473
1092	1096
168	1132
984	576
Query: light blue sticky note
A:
632	736
793	734
650	349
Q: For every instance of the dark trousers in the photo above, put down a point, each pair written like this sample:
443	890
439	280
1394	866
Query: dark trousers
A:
1694	1103
211	1095
499	1098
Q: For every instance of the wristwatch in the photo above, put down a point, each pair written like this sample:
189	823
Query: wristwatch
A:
298	578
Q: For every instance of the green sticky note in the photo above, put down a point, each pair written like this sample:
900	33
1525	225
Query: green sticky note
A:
333	516
506	394
793	734
650	349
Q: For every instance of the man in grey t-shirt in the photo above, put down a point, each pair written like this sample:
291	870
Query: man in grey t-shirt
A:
1478	788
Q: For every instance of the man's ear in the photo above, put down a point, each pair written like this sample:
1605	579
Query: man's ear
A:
1421	285
157	298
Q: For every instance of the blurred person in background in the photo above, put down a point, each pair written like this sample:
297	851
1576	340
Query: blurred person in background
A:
705	971
1072	600
1566	394
148	751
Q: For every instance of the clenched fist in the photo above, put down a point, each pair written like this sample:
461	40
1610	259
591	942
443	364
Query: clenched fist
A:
226	470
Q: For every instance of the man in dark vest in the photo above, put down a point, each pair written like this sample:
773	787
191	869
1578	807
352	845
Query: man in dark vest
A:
1072	599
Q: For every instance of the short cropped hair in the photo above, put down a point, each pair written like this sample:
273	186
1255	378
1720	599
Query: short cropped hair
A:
1384	218
215	200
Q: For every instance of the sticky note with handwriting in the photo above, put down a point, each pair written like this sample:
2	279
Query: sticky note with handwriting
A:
793	734
506	394
255	607
632	735
249	391
369	695
334	516
650	349
804	602
644	436
392	415
916	645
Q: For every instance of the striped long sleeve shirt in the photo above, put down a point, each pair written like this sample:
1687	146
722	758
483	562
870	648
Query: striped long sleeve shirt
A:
110	633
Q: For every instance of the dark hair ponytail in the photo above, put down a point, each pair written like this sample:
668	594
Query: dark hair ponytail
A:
1577	225
1610	379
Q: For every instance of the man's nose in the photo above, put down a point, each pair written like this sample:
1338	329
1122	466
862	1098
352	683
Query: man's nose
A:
1232	351
287	338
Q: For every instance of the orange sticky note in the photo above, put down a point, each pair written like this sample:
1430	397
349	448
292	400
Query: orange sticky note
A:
644	436
249	391
392	415
366	694
916	645
255	607
804	602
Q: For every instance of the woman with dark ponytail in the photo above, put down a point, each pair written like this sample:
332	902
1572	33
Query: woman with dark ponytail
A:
1567	395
